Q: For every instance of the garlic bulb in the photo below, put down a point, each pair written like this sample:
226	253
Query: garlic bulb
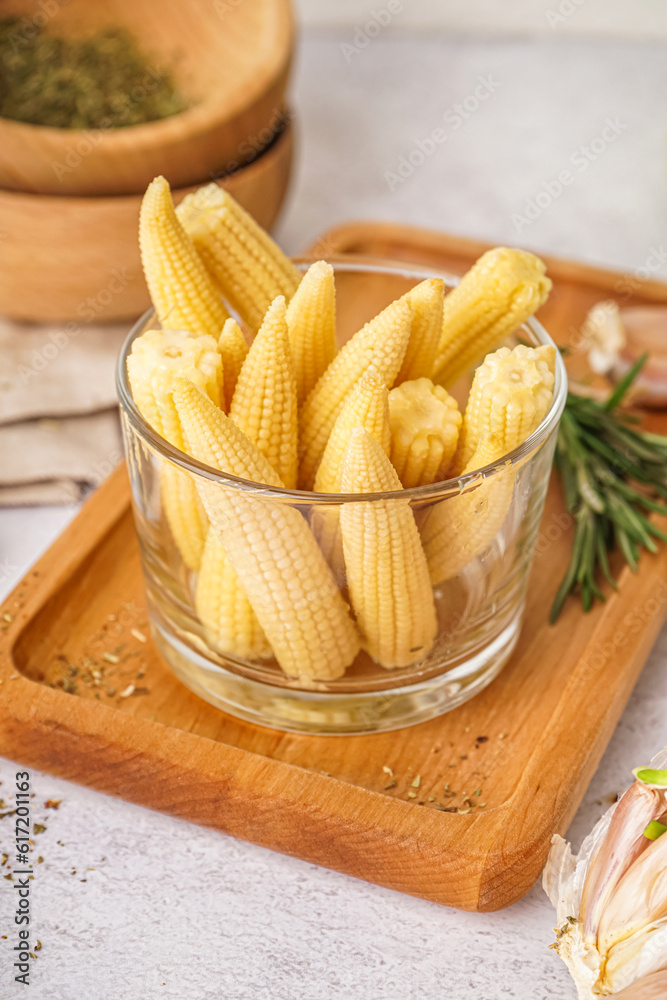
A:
611	898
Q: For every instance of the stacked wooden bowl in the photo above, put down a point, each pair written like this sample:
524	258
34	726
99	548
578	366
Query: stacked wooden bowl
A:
69	199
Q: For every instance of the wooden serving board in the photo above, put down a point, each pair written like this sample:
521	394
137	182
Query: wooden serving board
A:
510	767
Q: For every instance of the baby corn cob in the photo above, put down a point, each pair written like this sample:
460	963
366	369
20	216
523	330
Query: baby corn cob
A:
233	350
184	296
270	546
311	319
264	404
513	393
156	351
427	300
155	354
184	512
366	406
502	290
508	384
250	269
223	606
381	344
460	528
425	423
386	567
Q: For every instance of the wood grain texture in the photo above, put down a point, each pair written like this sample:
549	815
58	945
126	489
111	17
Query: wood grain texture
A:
230	60
77	259
544	722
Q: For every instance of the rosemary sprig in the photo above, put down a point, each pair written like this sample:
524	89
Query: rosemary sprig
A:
613	475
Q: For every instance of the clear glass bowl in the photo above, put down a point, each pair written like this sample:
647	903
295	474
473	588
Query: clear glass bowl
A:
494	516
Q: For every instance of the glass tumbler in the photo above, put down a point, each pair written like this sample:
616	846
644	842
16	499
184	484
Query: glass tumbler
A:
485	523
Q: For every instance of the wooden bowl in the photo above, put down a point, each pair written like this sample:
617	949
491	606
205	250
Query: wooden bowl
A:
77	259
230	58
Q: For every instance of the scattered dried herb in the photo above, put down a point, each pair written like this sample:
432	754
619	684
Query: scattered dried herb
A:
103	81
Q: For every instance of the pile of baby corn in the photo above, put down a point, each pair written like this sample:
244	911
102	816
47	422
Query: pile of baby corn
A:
276	402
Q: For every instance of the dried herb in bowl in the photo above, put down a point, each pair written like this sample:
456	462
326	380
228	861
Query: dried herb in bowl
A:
103	81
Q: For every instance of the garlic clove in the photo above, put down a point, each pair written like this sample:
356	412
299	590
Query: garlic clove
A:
652	988
603	336
623	844
636	957
639	898
645	332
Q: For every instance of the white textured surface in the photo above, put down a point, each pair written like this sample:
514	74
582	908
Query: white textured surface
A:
641	18
182	913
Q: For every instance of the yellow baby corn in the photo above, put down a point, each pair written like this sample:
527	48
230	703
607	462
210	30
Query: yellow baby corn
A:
380	344
511	392
233	350
270	546
502	290
427	300
386	567
311	319
223	606
157	353
425	423
250	269
366	406
184	512
184	296
460	528
264	403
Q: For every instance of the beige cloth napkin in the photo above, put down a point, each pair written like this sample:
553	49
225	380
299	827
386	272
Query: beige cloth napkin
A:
59	429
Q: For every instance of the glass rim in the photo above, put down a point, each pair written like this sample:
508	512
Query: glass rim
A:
455	486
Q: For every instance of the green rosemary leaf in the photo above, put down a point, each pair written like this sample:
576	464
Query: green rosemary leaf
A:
564	590
628	549
655	531
635	497
603	561
621	389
